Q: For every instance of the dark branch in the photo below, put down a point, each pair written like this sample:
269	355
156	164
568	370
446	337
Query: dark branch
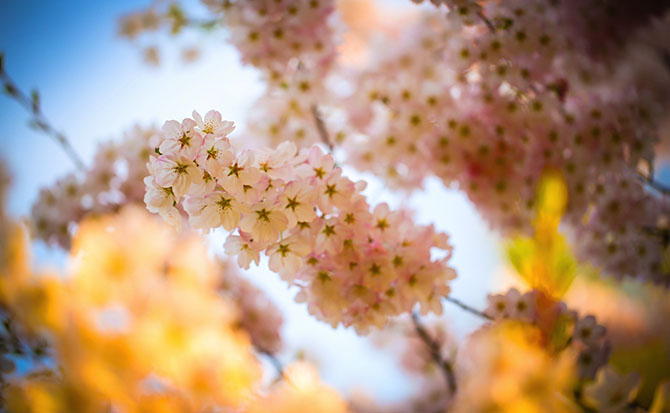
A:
486	21
434	349
321	127
275	363
663	234
467	308
38	121
655	185
206	24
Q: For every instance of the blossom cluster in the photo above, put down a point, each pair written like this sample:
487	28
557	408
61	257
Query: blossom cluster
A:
489	103
587	338
354	265
293	43
139	26
300	109
624	233
534	353
270	34
531	330
114	179
487	98
134	24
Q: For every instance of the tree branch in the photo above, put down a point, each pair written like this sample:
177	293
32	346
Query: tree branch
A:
653	184
486	21
202	23
467	308
321	127
275	363
434	349
38	121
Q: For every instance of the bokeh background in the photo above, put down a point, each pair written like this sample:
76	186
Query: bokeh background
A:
94	86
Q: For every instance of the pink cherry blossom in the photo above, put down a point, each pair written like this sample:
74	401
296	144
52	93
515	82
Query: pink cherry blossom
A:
315	225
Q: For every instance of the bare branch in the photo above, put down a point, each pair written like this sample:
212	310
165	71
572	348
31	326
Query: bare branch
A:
275	363
434	349
467	308
655	185
38	121
321	127
486	21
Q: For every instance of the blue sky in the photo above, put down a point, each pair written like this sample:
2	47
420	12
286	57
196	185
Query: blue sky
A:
94	86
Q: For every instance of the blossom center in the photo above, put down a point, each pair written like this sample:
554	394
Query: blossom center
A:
185	140
292	203
263	215
224	203
234	169
180	168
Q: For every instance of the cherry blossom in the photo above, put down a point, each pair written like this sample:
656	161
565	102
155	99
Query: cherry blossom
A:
116	177
612	391
269	34
491	97
314	224
486	96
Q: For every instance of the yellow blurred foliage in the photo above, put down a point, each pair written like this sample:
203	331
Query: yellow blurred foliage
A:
650	359
661	402
136	326
505	367
544	261
300	392
636	316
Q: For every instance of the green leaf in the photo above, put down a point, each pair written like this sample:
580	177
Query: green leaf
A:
519	252
545	261
661	402
562	333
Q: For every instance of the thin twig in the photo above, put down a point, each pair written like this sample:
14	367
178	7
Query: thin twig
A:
663	234
205	24
434	348
652	183
275	363
32	104
486	21
467	308
321	126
